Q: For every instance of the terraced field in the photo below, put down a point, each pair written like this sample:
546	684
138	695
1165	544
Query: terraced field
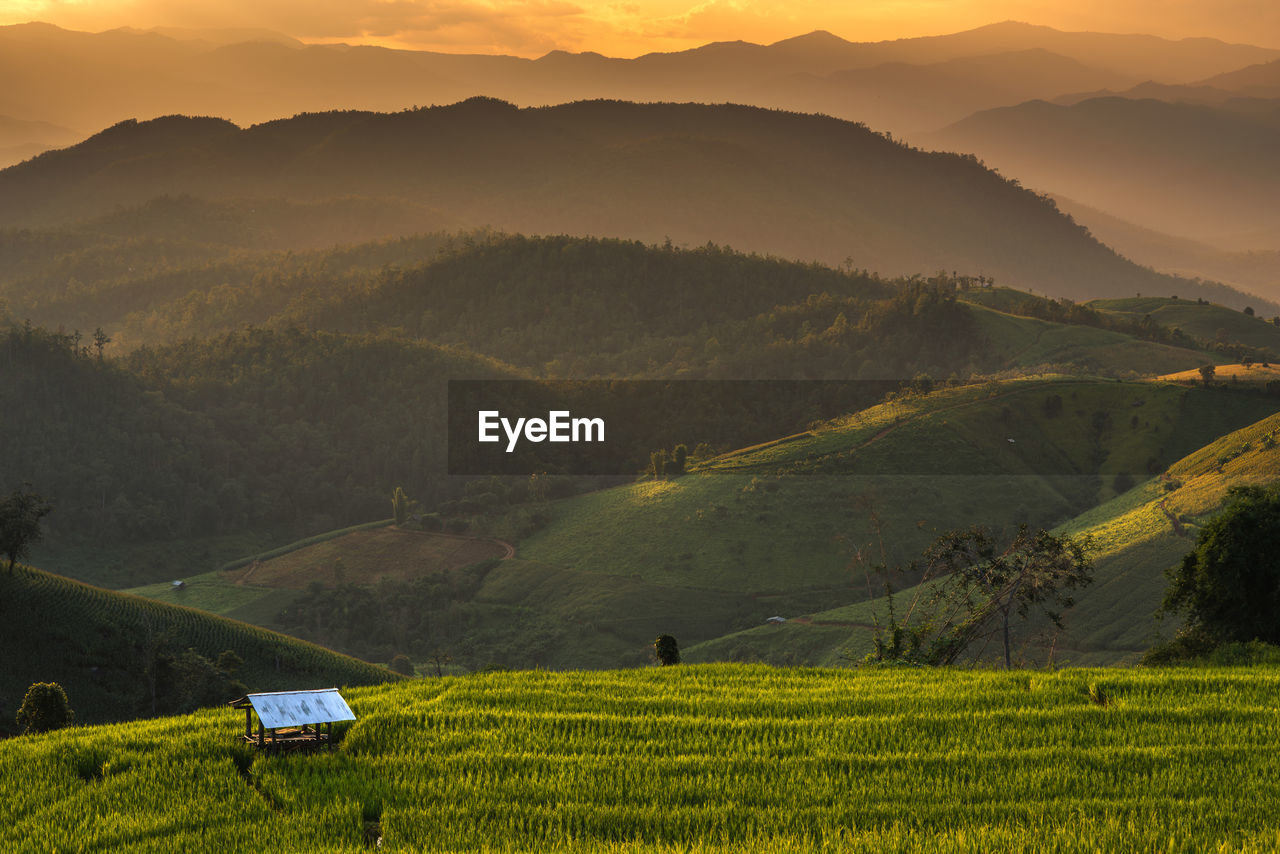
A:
711	758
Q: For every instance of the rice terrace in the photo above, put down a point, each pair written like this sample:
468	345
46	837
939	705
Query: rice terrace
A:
701	758
632	429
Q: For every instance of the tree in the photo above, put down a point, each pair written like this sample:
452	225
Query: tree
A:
400	506
666	650
988	584
1207	373
402	665
45	708
679	459
980	586
1229	584
20	515
100	340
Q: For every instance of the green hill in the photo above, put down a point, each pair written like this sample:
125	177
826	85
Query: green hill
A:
790	528
1208	322
121	656
691	758
1139	535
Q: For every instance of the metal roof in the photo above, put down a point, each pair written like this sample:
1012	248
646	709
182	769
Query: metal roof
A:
295	708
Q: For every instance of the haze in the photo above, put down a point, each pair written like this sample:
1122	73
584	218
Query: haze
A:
628	29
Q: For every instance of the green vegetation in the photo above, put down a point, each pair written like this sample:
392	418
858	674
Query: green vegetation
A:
44	709
690	758
120	656
1199	319
1229	586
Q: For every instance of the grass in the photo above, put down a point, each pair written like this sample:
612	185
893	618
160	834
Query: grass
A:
692	759
1031	343
1139	535
1207	321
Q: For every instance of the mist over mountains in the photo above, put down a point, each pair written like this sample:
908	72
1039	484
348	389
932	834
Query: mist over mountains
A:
88	81
805	187
1198	171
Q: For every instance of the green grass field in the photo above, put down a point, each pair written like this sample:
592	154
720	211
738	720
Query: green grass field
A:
695	758
1208	322
1027	342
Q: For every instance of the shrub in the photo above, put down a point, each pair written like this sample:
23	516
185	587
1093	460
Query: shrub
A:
666	650
402	665
45	708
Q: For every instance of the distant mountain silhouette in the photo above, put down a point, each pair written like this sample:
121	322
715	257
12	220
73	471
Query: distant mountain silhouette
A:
94	80
800	186
1207	173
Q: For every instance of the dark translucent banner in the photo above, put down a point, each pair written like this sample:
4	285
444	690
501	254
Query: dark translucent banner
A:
513	427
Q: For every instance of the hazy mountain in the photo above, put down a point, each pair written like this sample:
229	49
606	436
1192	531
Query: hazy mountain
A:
805	187
94	80
22	139
1256	271
1190	170
907	98
1262	80
1252	90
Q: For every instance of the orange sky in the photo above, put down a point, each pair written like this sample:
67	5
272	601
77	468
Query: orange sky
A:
631	27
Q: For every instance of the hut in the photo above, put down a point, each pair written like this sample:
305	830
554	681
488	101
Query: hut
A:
292	720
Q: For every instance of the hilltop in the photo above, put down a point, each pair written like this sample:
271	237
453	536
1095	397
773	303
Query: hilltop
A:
806	187
1205	322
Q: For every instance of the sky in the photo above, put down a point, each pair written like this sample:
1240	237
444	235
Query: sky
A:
628	28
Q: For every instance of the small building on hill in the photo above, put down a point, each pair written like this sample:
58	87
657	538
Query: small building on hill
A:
292	720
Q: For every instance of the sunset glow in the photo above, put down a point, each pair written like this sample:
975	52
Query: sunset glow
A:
626	29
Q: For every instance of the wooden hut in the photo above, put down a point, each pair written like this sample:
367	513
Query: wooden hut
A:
292	720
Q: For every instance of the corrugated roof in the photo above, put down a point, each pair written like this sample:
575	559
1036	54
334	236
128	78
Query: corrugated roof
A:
295	708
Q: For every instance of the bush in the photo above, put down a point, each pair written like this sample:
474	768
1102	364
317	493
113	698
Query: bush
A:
45	708
666	650
402	665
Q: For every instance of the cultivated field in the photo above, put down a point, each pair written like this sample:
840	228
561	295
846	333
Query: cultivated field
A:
693	758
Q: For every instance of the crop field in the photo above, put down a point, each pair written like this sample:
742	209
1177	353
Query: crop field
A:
691	759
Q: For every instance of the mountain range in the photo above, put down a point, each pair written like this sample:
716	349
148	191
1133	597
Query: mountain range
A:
798	186
88	81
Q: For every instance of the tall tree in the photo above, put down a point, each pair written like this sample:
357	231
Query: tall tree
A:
20	515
